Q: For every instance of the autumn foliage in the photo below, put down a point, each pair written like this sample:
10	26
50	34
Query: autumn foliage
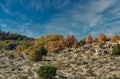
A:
51	42
89	39
115	38
102	38
56	42
70	41
44	40
54	46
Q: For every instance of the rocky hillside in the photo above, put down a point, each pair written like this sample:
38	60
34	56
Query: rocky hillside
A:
86	62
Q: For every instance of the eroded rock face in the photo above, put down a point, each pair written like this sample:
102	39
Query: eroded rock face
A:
86	62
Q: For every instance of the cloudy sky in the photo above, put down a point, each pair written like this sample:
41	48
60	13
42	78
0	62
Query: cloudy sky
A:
35	18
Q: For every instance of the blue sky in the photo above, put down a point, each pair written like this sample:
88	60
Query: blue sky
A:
35	18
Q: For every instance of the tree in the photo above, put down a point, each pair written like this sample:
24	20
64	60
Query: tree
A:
102	38
34	53
89	39
70	41
45	39
54	46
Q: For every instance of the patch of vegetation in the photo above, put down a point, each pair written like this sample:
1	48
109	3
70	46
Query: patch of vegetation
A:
10	46
36	53
13	36
43	51
47	72
83	41
116	50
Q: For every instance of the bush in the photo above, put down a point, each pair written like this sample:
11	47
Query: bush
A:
54	46
34	54
89	39
70	41
43	51
10	46
47	72
115	38
44	40
83	41
75	45
102	38
20	48
116	50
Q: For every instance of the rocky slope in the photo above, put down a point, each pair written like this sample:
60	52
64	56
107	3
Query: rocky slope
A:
86	62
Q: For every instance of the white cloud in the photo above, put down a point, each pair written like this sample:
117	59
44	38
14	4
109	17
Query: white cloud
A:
4	8
91	13
83	17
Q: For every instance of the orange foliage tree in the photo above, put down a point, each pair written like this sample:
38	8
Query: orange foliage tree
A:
102	38
89	39
54	46
71	41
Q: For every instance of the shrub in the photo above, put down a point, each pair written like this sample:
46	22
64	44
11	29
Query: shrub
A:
83	41
54	46
10	46
43	51
44	40
62	43
102	38
47	72
75	45
116	50
89	39
21	48
34	54
54	37
115	38
70	41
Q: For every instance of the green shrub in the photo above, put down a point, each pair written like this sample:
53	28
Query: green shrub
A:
10	46
34	54
47	72
43	51
116	50
21	48
83	41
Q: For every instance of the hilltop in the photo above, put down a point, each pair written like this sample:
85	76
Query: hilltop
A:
88	59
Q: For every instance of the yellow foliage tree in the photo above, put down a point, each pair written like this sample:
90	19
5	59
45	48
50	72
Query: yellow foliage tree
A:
52	37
